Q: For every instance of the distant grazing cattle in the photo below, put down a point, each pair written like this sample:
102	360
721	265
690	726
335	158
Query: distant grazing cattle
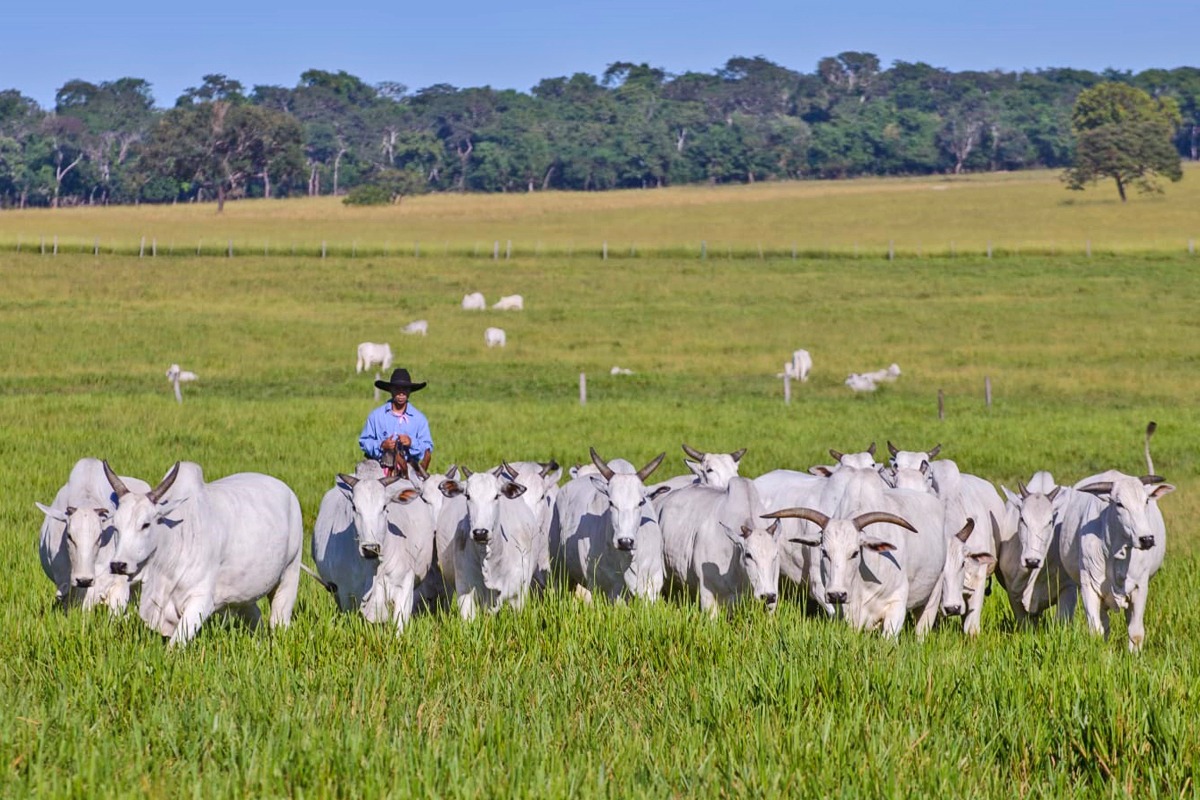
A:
474	302
175	374
420	326
860	383
511	302
494	337
370	354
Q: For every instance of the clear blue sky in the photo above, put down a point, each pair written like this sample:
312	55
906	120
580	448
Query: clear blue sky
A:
513	45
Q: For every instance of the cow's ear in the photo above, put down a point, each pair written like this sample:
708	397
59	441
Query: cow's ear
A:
658	492
1162	490
512	490
167	507
52	513
450	488
876	544
600	483
983	558
695	467
405	497
820	471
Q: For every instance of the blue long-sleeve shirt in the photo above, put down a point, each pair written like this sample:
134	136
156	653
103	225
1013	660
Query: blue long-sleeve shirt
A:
382	423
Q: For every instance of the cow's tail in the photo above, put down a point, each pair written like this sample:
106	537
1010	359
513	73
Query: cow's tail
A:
329	586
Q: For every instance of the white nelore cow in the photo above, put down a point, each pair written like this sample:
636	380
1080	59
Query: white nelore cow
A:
370	354
799	367
494	337
474	302
878	578
860	383
510	302
605	533
620	371
373	544
540	480
707	469
494	558
417	326
970	561
1029	568
76	542
885	375
1112	543
177	375
716	545
199	547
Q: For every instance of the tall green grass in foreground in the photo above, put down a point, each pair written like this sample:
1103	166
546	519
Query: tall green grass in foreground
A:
565	699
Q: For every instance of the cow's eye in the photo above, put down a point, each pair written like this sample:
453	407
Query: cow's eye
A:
855	554
749	557
145	525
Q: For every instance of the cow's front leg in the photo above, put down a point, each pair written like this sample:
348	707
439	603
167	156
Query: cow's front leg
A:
195	611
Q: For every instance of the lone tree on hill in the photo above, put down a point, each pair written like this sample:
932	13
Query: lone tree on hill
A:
1124	134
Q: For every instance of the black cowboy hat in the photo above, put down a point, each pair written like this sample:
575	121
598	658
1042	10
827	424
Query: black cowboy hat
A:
400	382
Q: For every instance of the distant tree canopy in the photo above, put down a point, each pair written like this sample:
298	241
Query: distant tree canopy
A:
635	125
1123	133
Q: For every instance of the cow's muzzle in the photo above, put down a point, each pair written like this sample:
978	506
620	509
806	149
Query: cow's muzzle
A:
118	568
480	534
626	544
369	551
837	598
770	600
83	583
1032	563
952	611
1145	542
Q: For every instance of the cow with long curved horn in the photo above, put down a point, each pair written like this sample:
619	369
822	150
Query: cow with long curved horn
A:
710	469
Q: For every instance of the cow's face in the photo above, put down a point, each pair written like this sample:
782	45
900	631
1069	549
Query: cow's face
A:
628	505
758	554
369	499
715	469
86	531
134	525
1035	529
1129	498
954	570
484	492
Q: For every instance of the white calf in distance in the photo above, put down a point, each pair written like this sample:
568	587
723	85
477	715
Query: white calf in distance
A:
494	337
474	302
370	353
420	326
511	302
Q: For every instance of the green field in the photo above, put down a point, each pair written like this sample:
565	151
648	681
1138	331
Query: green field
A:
565	699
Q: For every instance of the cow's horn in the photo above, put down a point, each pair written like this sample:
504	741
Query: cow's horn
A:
837	455
645	471
871	449
1152	479
349	480
892	448
810	514
736	455
1100	487
937	448
871	517
157	492
1024	491
549	467
115	481
605	470
692	452
465	471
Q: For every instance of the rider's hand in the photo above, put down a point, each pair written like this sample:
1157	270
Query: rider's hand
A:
405	441
388	444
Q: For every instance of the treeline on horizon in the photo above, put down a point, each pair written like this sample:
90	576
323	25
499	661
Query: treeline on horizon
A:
634	126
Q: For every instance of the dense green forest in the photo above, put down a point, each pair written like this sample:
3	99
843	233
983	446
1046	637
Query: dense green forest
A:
633	126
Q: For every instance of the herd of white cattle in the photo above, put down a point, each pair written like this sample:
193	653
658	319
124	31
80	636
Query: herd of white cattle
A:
870	543
800	366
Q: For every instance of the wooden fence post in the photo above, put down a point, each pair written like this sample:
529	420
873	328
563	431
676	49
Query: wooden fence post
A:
604	251
583	389
787	388
941	405
987	391
142	248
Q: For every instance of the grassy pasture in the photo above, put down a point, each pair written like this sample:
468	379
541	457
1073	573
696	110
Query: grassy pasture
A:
596	701
1026	212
